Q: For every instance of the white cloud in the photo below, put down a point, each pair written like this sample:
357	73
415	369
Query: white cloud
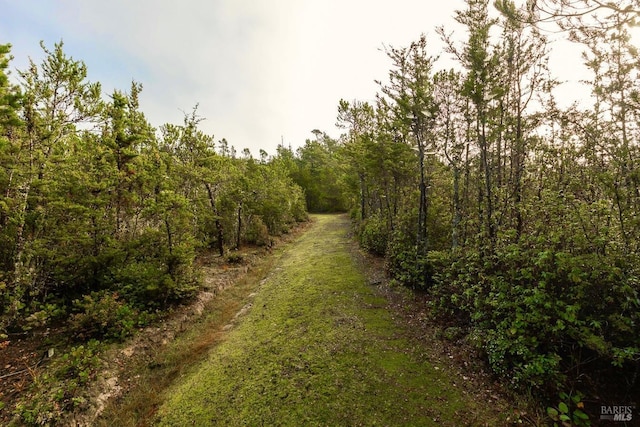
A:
260	69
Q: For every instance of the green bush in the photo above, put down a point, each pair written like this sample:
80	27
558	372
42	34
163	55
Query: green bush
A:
139	282
298	205
61	388
374	234
235	258
569	411
43	314
411	268
103	315
542	313
257	232
153	277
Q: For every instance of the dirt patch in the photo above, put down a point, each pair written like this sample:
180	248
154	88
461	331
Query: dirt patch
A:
20	358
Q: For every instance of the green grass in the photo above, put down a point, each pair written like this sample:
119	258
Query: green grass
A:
151	374
318	347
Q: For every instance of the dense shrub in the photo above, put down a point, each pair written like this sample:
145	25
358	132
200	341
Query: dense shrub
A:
411	268
543	314
257	232
122	208
61	388
374	234
104	315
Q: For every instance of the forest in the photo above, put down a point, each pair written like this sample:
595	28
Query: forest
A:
518	217
102	216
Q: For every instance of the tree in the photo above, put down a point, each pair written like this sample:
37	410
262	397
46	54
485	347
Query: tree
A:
200	168
125	132
411	89
524	53
357	117
57	102
454	125
612	133
10	126
575	14
10	172
481	88
319	172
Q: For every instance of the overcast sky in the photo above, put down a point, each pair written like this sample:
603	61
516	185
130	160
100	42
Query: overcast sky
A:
261	71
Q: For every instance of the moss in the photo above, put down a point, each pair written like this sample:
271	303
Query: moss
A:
318	348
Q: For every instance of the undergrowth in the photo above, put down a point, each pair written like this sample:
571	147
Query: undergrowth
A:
61	388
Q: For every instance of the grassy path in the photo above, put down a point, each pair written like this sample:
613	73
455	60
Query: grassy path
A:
319	347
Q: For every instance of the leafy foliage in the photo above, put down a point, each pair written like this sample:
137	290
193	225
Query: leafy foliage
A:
569	411
103	315
62	388
374	235
520	220
315	167
102	216
542	313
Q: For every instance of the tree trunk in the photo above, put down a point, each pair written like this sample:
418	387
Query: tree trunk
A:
422	210
455	221
363	215
219	229
488	196
518	173
239	225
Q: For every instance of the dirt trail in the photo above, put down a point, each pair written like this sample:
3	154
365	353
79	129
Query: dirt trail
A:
320	345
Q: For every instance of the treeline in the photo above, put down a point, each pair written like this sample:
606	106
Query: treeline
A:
318	167
102	215
520	218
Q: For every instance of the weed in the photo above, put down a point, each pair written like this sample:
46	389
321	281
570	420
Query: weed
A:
60	388
569	412
235	258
